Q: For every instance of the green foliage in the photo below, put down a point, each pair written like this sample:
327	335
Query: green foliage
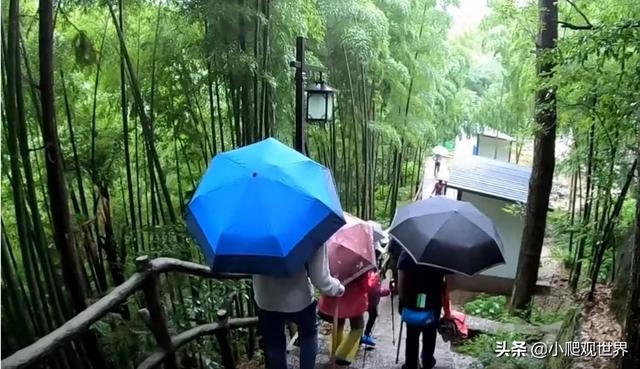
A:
85	53
213	76
495	308
516	209
490	307
561	229
124	340
483	347
568	332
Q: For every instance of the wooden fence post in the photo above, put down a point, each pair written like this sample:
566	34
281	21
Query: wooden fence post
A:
156	313
222	335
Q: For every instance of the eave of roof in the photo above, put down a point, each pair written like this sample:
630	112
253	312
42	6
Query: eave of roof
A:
491	178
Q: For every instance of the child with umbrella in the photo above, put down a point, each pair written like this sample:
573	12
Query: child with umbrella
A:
351	260
352	306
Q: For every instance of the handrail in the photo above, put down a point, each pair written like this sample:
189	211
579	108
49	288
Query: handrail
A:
166	265
80	323
187	336
76	325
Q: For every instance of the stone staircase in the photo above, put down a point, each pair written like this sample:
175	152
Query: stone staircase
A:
384	354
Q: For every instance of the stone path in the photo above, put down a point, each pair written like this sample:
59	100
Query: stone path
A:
384	354
429	181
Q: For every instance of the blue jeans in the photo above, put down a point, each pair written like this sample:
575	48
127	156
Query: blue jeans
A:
272	325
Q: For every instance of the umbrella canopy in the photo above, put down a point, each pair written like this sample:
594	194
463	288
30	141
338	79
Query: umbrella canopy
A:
263	209
448	234
350	250
379	234
441	150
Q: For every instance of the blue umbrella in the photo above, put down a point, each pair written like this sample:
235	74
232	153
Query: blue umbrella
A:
263	209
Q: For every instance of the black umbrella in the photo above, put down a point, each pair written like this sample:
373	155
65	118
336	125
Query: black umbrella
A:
448	234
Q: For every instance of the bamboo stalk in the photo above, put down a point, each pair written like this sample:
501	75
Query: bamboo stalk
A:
125	133
147	123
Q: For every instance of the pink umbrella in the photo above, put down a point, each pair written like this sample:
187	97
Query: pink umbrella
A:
350	249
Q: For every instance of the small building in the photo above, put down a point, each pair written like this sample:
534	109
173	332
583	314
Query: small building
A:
492	186
493	145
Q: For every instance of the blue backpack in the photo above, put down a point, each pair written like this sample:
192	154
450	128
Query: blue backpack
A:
418	318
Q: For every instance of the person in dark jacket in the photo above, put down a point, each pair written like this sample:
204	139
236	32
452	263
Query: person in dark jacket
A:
415	280
438	188
436	166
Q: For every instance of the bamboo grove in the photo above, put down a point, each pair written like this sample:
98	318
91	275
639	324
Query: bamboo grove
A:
113	110
141	96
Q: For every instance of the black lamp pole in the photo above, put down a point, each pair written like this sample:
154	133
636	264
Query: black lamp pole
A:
300	100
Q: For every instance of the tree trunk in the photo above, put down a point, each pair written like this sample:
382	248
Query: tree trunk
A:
631	333
604	242
212	116
94	133
543	162
109	243
63	235
74	147
576	269
22	221
572	206
10	281
125	138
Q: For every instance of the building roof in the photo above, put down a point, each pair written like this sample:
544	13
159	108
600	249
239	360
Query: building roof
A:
491	178
490	132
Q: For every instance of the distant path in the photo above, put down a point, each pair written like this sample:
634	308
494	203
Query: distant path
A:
429	181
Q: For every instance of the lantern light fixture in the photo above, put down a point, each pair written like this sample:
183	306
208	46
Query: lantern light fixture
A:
320	102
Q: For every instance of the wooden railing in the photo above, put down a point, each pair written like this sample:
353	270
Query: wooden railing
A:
145	279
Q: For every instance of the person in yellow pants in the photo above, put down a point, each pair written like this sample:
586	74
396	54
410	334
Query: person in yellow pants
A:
352	305
347	346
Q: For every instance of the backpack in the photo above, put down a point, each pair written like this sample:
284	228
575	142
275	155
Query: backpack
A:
418	318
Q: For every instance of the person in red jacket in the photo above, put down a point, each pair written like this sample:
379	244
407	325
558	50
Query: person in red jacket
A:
352	306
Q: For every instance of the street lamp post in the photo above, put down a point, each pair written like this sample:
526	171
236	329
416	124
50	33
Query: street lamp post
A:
313	104
300	100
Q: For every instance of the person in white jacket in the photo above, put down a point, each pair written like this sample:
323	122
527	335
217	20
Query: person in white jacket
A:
291	299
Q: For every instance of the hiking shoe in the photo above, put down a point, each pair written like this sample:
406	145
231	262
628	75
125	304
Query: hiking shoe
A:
343	362
429	364
367	340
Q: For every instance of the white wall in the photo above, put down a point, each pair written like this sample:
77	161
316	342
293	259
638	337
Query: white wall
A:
488	146
510	227
464	146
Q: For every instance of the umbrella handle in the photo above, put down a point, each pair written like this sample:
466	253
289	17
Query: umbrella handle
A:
393	323
334	337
